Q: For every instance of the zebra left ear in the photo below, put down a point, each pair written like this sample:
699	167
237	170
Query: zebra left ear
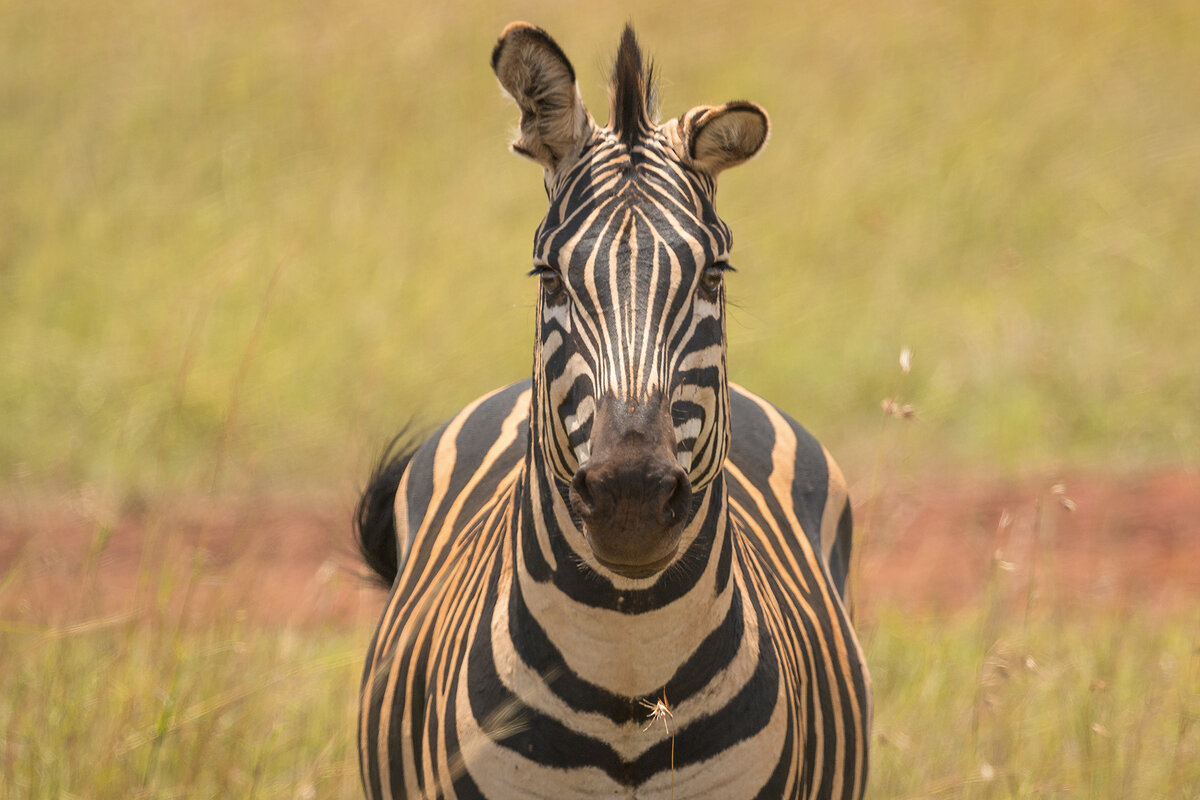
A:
715	138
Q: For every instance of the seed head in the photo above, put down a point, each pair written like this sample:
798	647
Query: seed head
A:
659	710
895	409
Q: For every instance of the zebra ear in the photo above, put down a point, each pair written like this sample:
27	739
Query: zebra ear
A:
533	70
715	138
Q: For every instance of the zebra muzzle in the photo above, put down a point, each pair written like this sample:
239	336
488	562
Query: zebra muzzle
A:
632	495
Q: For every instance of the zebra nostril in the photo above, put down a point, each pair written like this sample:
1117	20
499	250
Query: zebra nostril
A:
581	494
675	497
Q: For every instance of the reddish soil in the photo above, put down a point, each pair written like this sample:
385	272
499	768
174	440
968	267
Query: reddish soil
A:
1100	541
936	547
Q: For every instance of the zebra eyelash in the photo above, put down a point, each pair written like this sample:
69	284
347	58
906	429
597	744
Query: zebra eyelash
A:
713	276
552	283
543	269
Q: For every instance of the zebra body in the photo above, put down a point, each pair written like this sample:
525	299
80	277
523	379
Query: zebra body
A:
624	577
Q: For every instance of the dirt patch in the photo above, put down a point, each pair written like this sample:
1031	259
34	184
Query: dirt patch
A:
276	560
1089	540
933	547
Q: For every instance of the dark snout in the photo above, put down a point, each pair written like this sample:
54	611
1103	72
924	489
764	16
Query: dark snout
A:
632	495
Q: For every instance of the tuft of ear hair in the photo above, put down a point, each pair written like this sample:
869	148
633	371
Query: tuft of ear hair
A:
715	138
535	72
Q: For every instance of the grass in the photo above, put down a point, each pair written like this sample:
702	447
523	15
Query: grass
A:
241	244
1073	705
132	711
245	225
1025	691
1057	701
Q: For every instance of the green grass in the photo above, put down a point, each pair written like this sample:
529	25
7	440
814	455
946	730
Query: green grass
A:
132	711
990	703
241	244
1072	705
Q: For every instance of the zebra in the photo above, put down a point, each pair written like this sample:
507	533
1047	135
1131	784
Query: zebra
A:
624	577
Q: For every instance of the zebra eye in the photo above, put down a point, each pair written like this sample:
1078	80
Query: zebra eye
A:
552	283
711	280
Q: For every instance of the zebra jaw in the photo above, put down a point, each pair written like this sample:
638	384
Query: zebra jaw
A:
632	495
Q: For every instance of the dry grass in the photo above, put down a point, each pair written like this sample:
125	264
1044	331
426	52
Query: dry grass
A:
1008	189
1000	700
232	256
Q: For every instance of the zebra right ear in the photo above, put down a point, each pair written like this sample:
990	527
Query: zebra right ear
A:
533	70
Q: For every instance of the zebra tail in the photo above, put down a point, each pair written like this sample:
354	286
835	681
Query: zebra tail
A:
375	518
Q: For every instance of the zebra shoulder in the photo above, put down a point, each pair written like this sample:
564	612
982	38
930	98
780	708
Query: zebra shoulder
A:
772	450
457	468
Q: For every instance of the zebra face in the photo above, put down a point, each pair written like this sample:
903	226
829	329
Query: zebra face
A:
630	391
631	353
631	308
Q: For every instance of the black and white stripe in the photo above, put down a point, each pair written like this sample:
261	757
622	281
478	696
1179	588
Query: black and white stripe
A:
513	659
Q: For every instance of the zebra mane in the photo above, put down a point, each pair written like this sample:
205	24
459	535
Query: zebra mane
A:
632	92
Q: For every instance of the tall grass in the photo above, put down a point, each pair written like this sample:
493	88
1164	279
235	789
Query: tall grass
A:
1068	705
991	702
241	243
131	711
1010	189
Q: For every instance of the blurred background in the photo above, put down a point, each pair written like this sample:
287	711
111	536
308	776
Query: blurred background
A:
281	231
243	244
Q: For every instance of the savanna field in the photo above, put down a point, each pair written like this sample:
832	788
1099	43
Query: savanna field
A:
242	244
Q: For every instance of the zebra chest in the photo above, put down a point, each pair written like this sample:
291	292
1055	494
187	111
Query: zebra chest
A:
530	730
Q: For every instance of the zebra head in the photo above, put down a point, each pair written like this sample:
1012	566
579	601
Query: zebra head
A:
630	392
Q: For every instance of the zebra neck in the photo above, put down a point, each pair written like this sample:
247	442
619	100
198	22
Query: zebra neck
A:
627	636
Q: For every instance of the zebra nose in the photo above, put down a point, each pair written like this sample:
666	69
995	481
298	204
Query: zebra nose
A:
598	494
632	512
